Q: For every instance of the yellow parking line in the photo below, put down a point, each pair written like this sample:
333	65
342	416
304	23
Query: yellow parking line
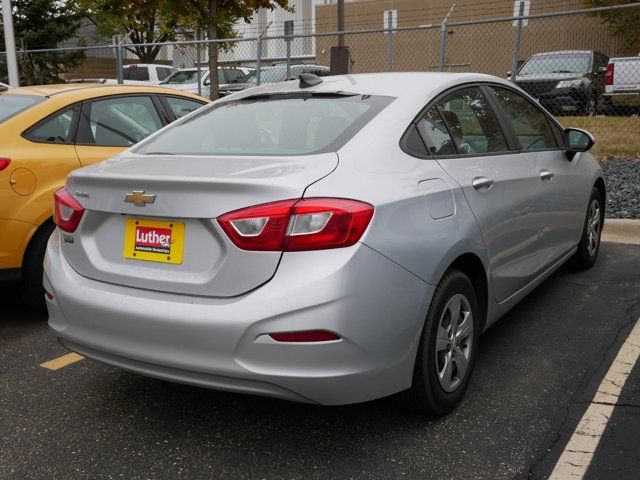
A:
61	362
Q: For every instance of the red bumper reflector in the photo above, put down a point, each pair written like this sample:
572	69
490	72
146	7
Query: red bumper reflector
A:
308	336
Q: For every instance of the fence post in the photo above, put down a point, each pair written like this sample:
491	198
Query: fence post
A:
258	59
389	41
443	45
10	45
516	50
117	41
288	32
198	67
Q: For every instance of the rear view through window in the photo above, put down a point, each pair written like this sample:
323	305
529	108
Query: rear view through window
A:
11	105
270	125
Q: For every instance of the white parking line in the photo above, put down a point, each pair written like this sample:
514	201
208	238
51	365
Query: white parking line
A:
577	455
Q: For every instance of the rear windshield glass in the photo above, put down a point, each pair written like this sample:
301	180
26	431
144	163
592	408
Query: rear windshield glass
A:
271	125
135	73
11	105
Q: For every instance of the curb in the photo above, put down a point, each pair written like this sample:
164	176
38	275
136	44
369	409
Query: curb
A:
621	231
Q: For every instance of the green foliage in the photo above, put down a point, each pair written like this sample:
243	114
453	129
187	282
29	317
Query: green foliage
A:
624	23
40	24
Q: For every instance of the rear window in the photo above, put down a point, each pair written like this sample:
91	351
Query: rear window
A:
270	125
135	73
11	105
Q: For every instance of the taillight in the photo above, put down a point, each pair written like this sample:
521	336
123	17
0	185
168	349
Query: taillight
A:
4	163
296	225
67	212
608	75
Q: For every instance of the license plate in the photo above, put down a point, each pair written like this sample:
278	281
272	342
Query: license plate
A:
153	240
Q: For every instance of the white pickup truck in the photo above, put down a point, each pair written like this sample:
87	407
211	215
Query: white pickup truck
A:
622	82
144	74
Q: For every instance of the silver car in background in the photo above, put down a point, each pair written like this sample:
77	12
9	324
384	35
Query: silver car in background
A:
330	240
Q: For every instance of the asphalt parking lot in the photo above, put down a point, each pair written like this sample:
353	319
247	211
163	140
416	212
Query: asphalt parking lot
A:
536	375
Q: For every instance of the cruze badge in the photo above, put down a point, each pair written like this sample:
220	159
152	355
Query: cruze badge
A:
138	198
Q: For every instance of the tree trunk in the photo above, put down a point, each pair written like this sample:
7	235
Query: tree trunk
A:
212	25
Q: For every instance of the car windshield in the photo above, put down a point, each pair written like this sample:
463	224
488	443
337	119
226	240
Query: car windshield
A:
184	76
556	63
11	105
282	124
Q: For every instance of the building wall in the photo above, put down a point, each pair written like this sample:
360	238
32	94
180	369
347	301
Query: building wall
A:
486	48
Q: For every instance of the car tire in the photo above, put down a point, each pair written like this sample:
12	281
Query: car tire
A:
589	246
437	386
32	268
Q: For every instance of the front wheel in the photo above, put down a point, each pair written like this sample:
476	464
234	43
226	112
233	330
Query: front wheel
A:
589	245
447	348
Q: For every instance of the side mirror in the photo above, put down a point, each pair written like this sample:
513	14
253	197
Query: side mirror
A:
601	70
207	82
577	140
509	74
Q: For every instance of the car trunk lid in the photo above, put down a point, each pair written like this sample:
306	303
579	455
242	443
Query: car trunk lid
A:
180	197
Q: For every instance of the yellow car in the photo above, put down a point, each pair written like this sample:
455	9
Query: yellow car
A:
48	131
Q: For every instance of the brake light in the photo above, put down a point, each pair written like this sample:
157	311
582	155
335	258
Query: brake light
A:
67	212
608	75
4	163
296	225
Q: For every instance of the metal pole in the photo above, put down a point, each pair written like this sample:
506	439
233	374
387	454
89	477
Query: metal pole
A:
341	23
116	43
443	44
258	59
389	41
10	44
516	51
199	76
288	40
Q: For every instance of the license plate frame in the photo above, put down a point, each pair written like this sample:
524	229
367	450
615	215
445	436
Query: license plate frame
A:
160	241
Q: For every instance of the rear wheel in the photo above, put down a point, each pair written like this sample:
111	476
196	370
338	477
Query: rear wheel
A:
32	268
589	245
447	349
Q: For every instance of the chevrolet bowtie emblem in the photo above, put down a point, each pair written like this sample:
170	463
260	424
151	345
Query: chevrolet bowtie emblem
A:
139	198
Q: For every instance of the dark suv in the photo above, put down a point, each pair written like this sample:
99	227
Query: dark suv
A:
565	82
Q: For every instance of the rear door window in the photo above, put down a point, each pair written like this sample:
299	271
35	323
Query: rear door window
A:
57	128
118	121
181	106
471	122
434	130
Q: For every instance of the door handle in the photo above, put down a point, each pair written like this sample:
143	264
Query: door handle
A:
482	184
546	175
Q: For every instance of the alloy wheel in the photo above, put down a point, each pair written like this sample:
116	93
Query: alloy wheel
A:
454	340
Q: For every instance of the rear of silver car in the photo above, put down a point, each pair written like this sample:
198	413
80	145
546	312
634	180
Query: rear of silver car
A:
159	274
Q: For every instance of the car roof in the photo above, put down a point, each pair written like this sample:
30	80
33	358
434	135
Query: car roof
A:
562	52
82	91
397	84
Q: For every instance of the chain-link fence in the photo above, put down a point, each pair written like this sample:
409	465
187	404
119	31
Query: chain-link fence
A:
569	61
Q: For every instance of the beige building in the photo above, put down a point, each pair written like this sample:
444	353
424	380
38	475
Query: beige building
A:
486	48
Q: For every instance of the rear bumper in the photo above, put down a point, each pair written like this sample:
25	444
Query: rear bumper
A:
376	307
623	99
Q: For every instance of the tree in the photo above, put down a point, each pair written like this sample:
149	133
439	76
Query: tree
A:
143	22
624	23
42	24
210	14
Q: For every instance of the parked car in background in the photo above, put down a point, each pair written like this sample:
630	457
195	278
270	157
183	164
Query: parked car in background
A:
327	242
186	79
274	74
48	131
566	82
144	74
4	86
622	83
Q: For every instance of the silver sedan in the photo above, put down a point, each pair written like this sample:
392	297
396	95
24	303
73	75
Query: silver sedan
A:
330	240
